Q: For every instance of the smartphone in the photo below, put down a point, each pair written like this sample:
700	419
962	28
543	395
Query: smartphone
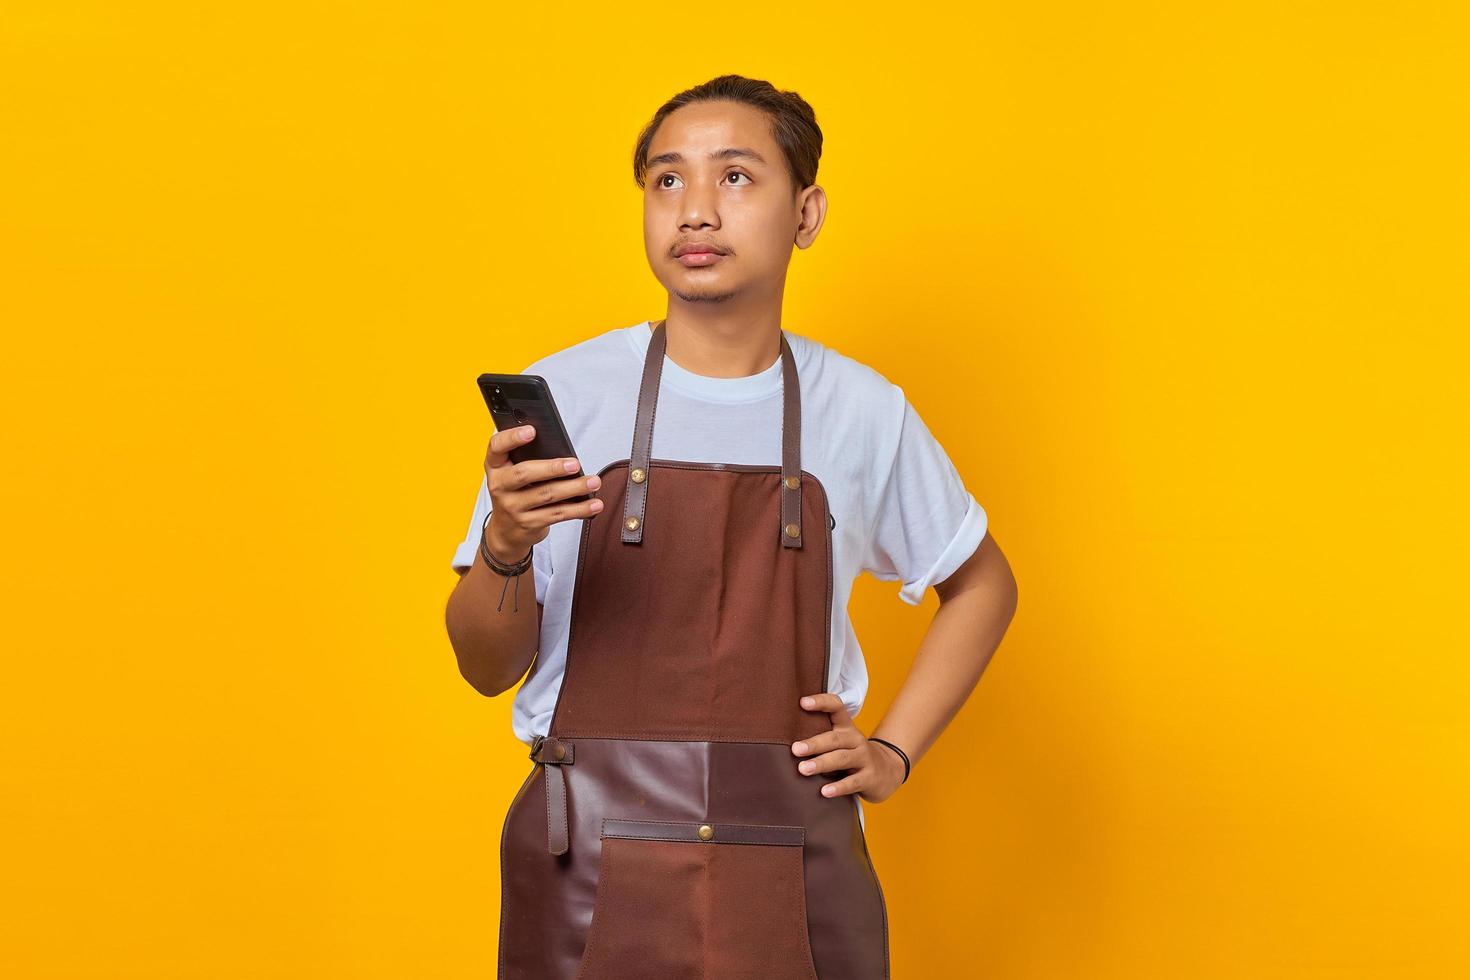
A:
525	399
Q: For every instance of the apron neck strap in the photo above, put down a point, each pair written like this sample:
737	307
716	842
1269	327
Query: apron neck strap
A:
636	499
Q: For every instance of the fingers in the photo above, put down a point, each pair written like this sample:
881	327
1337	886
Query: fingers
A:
837	738
529	496
542	504
855	783
861	772
517	476
831	761
506	475
501	443
839	749
831	703
540	517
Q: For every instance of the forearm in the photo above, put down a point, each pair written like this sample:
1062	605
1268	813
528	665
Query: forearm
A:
494	641
975	610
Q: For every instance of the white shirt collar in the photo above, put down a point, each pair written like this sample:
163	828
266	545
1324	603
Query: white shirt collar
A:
749	388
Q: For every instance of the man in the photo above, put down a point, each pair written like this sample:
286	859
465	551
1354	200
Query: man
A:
701	689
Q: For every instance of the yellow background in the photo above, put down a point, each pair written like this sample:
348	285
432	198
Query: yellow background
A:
1182	292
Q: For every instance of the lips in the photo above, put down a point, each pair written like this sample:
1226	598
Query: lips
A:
693	248
694	254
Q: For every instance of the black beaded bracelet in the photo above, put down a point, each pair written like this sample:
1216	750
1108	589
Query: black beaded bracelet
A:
901	754
510	571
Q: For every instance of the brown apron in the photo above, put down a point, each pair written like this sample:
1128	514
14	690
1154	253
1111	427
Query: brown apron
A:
664	831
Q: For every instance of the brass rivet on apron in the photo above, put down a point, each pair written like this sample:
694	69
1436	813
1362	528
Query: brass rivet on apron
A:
792	530
706	831
631	523
792	482
638	476
560	752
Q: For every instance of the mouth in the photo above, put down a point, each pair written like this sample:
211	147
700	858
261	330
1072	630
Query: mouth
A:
694	259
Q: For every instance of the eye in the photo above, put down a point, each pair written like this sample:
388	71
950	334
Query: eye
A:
737	173
664	177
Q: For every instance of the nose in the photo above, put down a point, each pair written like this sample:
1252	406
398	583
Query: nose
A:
698	206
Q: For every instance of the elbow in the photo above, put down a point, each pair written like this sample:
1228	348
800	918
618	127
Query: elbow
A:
475	667
487	688
483	681
1003	583
473	655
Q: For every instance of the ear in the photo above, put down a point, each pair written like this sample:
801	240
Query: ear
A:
812	210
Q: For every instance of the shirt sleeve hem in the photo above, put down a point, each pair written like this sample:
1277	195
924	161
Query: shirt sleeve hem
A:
971	532
465	554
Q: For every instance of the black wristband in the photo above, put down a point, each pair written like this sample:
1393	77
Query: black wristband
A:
901	754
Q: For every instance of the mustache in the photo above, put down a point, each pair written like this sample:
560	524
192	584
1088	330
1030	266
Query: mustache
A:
721	249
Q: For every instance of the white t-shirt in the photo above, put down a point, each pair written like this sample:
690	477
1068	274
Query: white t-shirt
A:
901	510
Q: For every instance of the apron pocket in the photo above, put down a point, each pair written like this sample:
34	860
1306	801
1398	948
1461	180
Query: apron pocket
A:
682	899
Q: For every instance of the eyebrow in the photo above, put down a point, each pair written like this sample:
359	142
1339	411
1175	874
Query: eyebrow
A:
725	153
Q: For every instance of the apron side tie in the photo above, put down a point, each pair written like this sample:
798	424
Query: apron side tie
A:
552	754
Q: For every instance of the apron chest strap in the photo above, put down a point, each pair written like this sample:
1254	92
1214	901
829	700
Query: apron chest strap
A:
635	499
553	753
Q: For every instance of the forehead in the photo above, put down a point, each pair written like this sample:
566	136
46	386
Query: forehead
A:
694	130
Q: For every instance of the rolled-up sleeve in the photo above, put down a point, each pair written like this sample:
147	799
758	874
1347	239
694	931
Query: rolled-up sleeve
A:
926	522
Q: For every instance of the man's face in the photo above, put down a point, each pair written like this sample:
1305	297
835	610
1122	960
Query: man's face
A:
716	178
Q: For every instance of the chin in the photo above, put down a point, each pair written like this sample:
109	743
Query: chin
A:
699	289
705	294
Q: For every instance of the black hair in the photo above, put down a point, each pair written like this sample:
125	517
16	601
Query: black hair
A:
793	123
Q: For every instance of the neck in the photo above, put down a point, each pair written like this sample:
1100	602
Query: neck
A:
723	345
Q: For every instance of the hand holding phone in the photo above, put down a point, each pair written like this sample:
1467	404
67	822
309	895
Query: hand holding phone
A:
534	477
